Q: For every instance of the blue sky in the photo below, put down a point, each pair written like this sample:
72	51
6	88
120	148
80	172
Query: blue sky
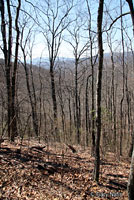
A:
111	6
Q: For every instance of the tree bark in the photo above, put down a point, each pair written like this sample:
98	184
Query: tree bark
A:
10	67
14	108
99	91
87	110
130	186
32	100
131	7
131	174
76	102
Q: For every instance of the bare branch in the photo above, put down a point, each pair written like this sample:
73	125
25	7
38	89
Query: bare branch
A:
128	13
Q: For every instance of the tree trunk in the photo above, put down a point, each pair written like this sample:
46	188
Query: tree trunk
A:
53	93
131	175
32	102
131	7
14	108
93	114
99	88
70	118
76	102
130	186
123	84
10	68
87	110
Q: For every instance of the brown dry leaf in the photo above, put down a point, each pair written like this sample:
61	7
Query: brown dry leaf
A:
20	177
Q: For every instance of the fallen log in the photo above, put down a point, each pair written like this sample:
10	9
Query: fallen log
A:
72	148
40	148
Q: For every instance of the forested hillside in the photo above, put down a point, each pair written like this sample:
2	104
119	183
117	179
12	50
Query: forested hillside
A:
66	84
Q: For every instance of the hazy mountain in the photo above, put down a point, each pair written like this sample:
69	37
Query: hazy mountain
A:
44	62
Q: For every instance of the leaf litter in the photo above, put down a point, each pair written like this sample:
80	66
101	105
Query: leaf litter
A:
53	172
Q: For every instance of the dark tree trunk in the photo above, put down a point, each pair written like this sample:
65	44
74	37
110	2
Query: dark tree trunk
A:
9	65
53	93
76	102
99	88
61	102
54	101
32	102
131	7
131	175
131	180
14	108
70	118
87	110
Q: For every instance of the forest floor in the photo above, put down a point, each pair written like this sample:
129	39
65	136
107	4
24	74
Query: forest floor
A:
53	172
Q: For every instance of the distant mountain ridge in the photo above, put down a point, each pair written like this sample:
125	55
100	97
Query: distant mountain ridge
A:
44	61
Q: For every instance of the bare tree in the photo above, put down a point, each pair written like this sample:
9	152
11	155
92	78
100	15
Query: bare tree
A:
61	99
113	89
55	21
78	51
87	109
92	63
131	175
99	90
25	41
11	65
123	84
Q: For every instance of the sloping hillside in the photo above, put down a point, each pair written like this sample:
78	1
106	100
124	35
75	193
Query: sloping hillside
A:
52	171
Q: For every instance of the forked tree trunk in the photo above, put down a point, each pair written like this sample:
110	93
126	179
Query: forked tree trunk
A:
10	66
